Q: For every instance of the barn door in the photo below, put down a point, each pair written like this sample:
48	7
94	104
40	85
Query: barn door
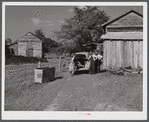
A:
29	52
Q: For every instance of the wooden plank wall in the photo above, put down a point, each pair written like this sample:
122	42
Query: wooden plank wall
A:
119	53
37	49
37	52
22	48
14	47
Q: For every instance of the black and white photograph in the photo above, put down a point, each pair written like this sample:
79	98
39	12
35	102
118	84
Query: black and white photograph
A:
74	60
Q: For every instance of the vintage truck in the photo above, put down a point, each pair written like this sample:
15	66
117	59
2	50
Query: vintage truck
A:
80	61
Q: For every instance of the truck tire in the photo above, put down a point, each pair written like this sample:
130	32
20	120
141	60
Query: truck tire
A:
73	70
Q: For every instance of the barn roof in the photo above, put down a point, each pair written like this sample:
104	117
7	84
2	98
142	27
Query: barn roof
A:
123	35
131	18
29	36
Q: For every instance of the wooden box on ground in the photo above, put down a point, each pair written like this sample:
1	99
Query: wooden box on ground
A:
45	74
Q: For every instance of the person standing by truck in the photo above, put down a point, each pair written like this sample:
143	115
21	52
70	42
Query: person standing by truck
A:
92	69
99	62
91	63
95	62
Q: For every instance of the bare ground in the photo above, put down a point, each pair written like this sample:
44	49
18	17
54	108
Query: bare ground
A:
100	92
82	92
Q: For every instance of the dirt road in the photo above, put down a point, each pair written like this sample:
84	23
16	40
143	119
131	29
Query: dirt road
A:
100	92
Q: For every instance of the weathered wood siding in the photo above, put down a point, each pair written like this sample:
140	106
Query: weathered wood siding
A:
119	53
15	48
27	42
22	48
37	46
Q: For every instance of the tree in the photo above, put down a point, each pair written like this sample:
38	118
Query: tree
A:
39	33
84	27
8	41
48	43
7	50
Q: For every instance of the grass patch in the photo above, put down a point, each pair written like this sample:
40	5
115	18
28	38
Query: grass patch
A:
22	94
22	60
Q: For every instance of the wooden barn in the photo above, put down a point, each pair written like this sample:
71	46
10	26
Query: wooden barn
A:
123	41
28	45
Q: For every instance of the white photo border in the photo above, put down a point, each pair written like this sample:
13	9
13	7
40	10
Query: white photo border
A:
80	115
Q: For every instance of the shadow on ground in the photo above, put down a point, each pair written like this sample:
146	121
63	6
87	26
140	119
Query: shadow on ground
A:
81	72
86	72
49	81
60	77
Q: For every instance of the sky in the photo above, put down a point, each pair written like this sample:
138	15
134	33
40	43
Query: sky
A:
20	20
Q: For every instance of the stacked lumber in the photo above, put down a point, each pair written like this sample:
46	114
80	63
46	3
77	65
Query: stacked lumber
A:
125	71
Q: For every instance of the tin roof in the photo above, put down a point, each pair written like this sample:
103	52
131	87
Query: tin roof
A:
123	35
29	36
131	17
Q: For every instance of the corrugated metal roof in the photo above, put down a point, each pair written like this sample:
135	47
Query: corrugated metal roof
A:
122	35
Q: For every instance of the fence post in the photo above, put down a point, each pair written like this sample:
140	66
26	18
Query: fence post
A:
62	63
59	64
39	64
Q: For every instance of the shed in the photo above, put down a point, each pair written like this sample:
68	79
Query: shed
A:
28	45
123	41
